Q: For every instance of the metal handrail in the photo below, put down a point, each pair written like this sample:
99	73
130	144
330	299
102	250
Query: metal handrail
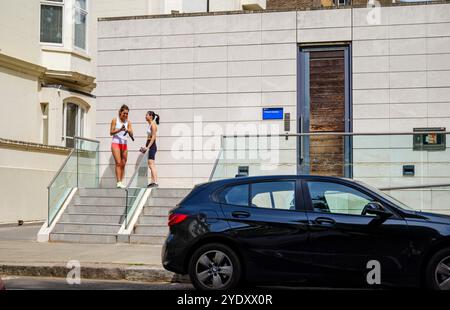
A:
415	187
86	139
325	133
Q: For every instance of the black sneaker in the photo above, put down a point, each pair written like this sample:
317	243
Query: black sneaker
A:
152	185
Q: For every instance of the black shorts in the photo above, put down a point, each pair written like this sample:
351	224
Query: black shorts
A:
152	151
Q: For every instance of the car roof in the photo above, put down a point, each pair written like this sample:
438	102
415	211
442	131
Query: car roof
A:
260	178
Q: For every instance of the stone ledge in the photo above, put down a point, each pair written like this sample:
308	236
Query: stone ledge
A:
33	147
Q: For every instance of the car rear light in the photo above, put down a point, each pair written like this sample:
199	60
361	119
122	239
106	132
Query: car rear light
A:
176	218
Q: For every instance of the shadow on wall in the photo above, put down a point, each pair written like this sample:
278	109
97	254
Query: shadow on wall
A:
106	181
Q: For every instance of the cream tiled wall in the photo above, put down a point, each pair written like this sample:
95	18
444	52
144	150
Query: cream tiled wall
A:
225	68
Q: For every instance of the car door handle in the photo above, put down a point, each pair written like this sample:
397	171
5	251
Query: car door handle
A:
240	214
325	221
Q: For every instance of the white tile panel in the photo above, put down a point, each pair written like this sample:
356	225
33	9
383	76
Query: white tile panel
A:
243	22
177	55
202	54
177	86
244	38
244	68
144	87
210	69
278	51
186	40
244	52
144	72
279	20
324	18
244	84
210	85
177	71
414	79
279	67
278	36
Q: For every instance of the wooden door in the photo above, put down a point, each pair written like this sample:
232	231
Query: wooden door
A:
325	111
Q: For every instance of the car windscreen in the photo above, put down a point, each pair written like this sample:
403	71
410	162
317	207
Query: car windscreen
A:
387	197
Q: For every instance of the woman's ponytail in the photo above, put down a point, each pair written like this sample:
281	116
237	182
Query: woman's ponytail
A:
154	116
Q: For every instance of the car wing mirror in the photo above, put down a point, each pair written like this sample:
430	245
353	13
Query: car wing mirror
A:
376	208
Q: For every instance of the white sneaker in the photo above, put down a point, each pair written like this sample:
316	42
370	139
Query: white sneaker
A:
118	185
122	185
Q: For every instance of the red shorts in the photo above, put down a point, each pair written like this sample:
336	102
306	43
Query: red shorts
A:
122	147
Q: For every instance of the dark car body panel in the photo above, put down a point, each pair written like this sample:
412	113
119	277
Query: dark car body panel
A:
298	245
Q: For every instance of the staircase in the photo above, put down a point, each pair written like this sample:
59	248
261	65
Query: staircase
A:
151	227
93	216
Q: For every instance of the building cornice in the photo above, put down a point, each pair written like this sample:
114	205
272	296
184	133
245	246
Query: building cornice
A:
73	80
32	147
21	66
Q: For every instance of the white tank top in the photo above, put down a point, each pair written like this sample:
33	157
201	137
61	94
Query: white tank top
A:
149	129
120	137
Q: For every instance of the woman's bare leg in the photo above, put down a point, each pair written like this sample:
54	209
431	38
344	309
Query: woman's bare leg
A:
124	155
118	160
154	175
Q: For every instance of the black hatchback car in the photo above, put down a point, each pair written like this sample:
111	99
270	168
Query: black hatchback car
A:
304	229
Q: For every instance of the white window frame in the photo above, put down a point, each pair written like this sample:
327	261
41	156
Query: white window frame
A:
52	3
80	122
86	12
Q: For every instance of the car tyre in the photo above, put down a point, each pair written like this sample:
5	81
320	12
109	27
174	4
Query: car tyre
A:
215	266
437	273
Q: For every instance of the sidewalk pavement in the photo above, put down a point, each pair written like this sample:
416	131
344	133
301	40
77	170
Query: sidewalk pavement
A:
21	255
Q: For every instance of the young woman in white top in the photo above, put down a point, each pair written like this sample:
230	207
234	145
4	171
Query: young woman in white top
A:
120	130
153	120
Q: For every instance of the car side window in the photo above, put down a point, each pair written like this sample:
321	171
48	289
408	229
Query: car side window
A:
328	197
273	195
235	195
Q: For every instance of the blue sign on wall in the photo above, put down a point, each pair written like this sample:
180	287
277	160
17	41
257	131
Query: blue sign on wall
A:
272	113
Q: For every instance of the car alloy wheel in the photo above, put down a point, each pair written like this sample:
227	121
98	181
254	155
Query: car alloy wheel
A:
214	269
442	274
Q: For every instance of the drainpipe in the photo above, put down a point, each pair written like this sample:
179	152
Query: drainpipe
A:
207	6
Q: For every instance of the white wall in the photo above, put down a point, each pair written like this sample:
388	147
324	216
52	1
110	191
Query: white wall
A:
19	29
401	80
191	67
24	195
225	68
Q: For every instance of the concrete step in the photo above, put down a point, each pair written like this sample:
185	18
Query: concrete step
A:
153	219
163	202
92	218
147	239
152	230
83	238
101	192
170	192
99	201
76	209
85	228
150	210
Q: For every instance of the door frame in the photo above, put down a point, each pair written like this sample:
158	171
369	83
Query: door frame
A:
303	104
